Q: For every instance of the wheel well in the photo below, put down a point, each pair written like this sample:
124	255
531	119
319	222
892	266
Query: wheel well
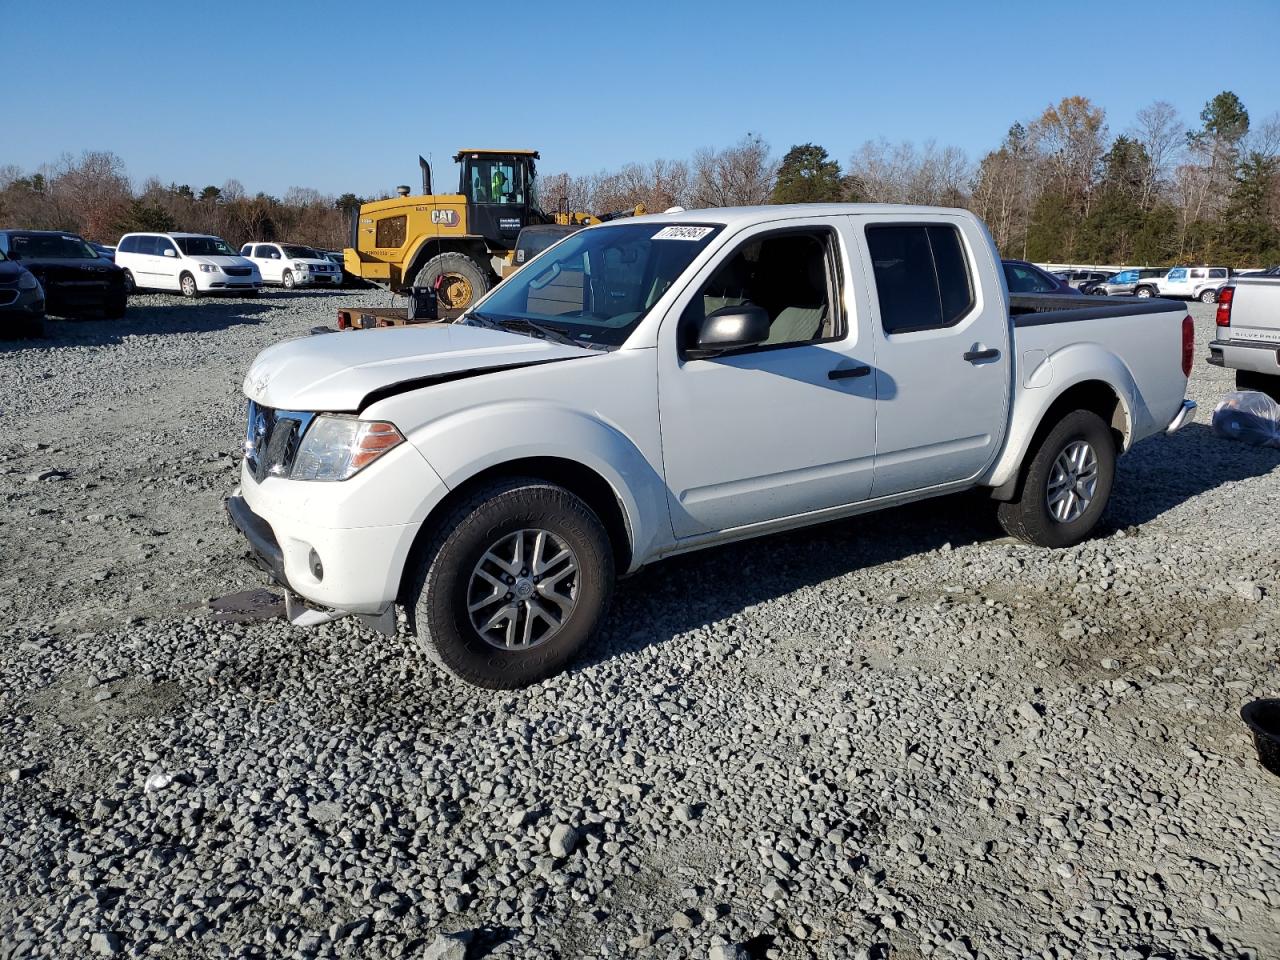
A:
475	249
580	480
1092	395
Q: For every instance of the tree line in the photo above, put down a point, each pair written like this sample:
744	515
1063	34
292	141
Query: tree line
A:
92	195
1059	187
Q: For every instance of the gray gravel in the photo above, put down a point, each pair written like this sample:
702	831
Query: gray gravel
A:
898	735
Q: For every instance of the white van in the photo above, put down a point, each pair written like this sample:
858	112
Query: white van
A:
292	265
193	263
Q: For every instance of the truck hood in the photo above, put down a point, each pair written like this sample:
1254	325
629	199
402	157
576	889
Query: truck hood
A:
340	372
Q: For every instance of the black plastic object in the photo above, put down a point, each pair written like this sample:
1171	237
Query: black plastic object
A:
423	304
1263	718
1248	416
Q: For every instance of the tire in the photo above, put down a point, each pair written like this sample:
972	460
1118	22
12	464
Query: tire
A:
187	284
115	309
130	288
1029	517
1262	382
1208	296
464	280
1146	293
287	280
454	574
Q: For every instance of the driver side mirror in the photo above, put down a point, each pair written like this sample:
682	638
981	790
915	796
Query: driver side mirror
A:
730	328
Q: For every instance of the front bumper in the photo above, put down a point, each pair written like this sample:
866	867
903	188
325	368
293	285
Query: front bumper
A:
1258	356
222	281
1184	416
362	529
318	279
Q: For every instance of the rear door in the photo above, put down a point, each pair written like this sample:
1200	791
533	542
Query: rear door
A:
941	337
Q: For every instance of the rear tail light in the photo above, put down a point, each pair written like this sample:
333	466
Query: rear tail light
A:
1225	296
1188	344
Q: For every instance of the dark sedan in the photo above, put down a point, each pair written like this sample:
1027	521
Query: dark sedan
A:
21	301
76	280
1023	277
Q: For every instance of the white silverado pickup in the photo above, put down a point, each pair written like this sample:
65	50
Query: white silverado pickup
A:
1249	333
657	385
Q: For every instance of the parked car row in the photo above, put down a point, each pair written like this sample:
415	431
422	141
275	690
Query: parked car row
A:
61	273
1180	283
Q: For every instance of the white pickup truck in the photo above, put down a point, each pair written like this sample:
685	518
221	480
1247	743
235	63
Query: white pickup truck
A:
653	386
1249	333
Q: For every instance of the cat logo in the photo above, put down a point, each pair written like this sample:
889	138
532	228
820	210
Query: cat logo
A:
445	218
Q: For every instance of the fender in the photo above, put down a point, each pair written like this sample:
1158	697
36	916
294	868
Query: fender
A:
1065	368
469	441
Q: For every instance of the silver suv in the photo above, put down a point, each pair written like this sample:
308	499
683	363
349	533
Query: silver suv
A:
1123	284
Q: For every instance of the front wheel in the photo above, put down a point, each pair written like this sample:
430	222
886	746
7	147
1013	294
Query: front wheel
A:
188	286
457	280
514	582
1067	484
1208	296
288	280
130	288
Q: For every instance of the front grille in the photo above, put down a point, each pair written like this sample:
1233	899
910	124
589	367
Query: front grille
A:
271	440
237	271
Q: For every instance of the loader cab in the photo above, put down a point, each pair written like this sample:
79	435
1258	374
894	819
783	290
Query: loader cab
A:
499	188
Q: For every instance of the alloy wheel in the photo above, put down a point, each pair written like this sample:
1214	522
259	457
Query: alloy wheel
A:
523	590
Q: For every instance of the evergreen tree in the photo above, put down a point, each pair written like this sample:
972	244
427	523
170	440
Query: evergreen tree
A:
808	175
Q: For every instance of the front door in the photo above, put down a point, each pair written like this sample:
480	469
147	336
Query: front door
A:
168	265
784	428
941	347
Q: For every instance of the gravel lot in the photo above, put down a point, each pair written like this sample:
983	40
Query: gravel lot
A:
902	735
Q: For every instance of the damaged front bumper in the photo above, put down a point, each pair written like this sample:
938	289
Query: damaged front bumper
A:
266	553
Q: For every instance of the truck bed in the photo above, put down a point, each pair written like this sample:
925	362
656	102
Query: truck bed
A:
1037	309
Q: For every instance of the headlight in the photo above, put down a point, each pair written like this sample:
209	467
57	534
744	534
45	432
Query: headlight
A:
301	267
209	268
27	281
336	447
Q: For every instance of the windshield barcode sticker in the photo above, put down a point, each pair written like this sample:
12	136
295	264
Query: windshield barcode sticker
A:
682	233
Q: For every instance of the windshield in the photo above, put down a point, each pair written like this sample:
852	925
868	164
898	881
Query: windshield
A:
295	252
598	284
204	247
44	246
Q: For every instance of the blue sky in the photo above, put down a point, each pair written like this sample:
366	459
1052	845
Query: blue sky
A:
343	96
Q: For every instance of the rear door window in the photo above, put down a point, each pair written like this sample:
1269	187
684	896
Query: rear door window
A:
923	280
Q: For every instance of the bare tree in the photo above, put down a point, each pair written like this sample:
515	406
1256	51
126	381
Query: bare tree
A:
1162	133
740	175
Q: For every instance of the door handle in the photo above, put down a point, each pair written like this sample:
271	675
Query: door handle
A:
973	356
848	373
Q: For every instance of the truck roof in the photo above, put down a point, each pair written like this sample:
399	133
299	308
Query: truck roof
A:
738	216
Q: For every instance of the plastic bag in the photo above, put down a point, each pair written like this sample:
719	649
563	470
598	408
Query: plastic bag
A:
1249	416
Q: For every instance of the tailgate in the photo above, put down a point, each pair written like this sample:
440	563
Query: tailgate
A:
1255	310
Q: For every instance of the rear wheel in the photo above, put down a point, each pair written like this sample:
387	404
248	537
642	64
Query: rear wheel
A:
1208	296
515	581
1145	293
1067	484
457	279
130	287
187	284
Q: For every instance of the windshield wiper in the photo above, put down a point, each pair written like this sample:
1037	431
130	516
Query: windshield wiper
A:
547	333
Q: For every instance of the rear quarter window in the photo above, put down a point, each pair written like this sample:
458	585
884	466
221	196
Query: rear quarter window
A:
923	278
